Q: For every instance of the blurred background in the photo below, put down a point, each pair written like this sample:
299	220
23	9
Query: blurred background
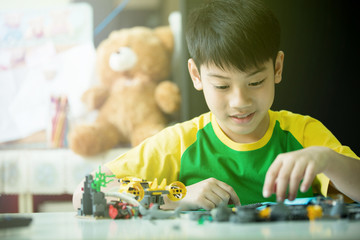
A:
320	40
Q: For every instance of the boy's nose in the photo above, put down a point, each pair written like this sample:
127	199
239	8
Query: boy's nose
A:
239	99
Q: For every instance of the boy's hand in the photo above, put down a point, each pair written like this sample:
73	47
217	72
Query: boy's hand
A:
209	193
288	169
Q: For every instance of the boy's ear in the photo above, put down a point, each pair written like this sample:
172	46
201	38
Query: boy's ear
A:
195	75
279	64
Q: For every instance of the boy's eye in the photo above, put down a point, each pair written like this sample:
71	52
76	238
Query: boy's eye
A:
222	87
254	84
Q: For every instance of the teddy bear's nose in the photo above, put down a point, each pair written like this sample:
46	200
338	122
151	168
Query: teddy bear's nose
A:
122	59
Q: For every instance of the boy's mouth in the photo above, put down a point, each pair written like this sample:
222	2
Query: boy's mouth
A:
242	118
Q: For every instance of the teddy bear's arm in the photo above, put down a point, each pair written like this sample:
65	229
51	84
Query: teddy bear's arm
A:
92	139
95	97
167	96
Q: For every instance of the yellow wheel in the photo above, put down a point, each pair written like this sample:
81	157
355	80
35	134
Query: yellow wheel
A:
177	191
136	189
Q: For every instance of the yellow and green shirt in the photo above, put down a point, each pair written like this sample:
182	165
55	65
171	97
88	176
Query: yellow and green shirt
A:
198	149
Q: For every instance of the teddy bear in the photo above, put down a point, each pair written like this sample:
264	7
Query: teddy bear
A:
134	100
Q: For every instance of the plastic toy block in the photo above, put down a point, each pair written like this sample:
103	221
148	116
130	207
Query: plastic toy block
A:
151	192
221	213
100	180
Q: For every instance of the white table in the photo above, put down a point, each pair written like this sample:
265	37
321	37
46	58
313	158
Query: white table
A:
68	226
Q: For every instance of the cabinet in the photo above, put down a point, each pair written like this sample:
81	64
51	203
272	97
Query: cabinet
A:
45	172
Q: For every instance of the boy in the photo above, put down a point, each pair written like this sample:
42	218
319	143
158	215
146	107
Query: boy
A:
241	151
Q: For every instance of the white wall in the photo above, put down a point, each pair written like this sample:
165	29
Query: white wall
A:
6	4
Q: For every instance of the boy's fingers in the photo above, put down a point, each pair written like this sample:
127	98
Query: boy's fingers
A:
270	179
283	180
222	194
226	193
208	205
230	194
215	196
234	198
308	178
296	175
282	184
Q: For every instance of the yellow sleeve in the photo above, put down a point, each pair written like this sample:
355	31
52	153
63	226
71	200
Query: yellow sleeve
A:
316	134
159	156
156	157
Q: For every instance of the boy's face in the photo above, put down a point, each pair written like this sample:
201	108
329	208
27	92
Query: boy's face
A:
239	100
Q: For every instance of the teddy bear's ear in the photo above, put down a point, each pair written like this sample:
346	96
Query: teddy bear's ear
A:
166	36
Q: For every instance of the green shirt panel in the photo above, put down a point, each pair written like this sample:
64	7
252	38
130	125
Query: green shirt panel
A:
243	170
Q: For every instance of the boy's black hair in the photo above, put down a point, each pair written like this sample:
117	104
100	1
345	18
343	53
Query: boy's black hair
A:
233	33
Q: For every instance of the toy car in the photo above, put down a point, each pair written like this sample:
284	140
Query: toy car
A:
151	192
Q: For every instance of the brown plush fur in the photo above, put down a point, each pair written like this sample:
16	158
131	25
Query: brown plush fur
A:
132	103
